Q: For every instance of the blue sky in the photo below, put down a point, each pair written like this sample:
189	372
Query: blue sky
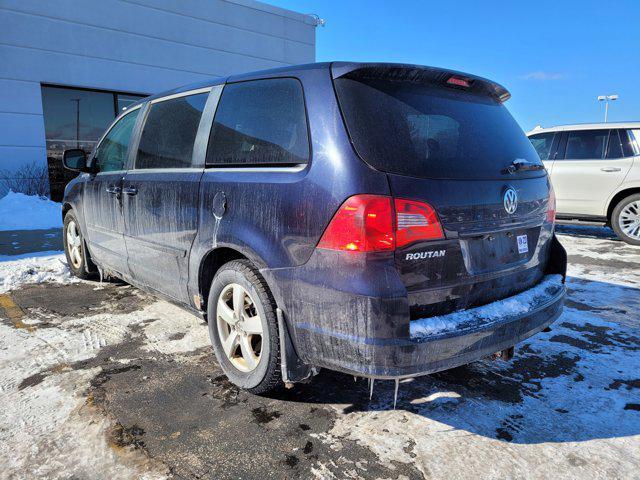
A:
555	57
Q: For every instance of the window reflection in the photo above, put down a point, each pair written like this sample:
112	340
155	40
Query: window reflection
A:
76	118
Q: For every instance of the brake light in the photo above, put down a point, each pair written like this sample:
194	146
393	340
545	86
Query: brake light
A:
364	223
458	81
416	221
551	205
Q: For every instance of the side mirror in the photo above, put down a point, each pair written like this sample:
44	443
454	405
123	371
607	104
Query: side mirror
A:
75	159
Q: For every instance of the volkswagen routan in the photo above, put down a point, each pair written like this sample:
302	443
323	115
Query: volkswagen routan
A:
381	220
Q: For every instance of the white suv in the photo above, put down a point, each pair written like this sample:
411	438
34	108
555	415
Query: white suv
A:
595	172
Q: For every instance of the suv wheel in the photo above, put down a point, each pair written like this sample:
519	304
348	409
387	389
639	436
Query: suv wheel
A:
74	248
625	219
243	327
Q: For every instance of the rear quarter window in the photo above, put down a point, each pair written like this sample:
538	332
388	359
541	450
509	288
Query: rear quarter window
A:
631	142
542	143
260	123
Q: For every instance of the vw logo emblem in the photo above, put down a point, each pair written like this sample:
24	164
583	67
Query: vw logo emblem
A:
510	201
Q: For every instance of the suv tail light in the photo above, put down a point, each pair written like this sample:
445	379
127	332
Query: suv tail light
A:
551	205
375	223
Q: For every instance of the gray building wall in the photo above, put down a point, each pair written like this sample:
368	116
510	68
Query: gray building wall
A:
138	46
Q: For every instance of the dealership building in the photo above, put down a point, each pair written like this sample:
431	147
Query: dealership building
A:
67	67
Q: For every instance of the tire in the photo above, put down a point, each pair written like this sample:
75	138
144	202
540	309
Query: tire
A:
250	360
627	210
74	246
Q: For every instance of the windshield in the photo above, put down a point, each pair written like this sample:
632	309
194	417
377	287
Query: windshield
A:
428	131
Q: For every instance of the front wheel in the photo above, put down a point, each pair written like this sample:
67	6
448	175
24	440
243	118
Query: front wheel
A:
74	248
625	219
243	327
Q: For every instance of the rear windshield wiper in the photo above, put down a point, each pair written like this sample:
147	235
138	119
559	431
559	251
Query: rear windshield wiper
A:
520	164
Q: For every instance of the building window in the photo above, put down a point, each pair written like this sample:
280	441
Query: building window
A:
76	118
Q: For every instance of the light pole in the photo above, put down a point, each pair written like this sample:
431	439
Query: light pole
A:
606	99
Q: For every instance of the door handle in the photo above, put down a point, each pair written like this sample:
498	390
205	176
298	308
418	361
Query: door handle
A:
130	190
112	189
610	169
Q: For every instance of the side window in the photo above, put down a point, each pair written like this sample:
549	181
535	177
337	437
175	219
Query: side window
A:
614	149
169	132
586	144
111	154
260	122
542	143
630	142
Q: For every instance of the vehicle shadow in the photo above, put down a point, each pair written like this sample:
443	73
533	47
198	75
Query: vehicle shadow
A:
577	382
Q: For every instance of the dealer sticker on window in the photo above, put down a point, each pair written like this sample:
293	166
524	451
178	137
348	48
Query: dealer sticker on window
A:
523	245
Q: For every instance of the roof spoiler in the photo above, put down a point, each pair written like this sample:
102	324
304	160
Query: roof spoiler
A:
420	74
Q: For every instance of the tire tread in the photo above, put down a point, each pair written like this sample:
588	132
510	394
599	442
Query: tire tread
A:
273	377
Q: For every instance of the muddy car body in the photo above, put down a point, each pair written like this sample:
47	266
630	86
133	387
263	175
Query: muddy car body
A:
322	215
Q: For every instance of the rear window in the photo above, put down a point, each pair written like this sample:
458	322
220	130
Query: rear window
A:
427	131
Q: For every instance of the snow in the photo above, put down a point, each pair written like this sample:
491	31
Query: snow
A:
33	268
60	435
29	212
492	312
557	399
160	335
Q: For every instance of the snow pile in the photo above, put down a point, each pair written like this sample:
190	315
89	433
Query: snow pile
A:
176	334
495	311
33	268
29	212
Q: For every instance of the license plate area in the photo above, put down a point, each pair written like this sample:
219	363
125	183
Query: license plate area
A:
500	250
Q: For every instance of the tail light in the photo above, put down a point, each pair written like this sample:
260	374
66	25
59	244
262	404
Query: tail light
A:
363	223
375	223
551	205
416	221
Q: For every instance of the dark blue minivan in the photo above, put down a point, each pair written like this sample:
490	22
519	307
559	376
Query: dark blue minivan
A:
381	220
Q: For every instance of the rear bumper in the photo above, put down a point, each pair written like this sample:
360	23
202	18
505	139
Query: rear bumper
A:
351	313
472	337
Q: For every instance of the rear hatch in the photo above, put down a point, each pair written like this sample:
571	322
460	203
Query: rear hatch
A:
446	140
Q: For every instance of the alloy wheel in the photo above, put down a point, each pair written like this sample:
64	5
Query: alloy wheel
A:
629	220
239	327
74	244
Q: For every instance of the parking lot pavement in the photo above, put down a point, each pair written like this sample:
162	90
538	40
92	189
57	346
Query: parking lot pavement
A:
103	381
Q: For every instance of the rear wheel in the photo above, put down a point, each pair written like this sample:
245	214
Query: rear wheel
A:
625	219
243	327
74	248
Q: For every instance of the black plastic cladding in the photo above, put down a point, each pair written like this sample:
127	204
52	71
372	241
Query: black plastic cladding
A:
344	310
